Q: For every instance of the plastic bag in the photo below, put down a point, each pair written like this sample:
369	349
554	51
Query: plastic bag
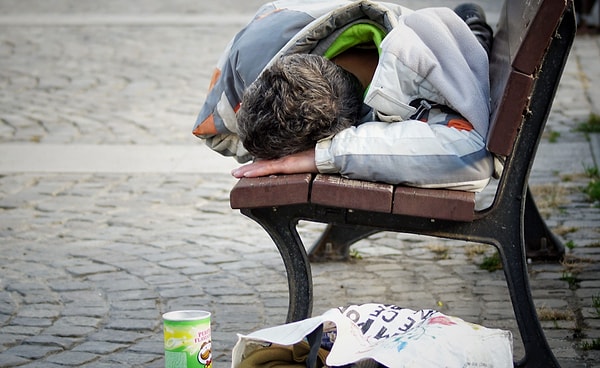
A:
393	336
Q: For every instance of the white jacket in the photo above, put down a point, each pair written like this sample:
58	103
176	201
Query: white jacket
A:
427	54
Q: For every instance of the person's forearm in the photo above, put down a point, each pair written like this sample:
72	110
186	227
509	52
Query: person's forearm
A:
302	162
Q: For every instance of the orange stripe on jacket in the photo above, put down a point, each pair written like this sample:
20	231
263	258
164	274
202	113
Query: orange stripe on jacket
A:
214	78
207	127
460	124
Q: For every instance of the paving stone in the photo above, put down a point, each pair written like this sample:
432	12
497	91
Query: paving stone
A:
133	324
33	352
9	360
131	359
99	347
116	336
65	343
72	358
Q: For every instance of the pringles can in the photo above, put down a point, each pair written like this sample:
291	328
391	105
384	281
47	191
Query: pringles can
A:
187	339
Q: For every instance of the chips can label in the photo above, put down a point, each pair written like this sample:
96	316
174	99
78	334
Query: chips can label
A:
187	339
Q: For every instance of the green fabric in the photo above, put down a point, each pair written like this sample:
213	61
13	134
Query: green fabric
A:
355	35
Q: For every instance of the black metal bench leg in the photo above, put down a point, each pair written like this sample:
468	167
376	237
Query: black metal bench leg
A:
537	351
280	224
541	243
334	244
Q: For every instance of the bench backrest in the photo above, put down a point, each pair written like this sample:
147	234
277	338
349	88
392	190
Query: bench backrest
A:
522	37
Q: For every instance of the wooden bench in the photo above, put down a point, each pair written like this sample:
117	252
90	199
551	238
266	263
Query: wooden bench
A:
531	46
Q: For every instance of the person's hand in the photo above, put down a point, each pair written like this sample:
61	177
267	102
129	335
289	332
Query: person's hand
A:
302	162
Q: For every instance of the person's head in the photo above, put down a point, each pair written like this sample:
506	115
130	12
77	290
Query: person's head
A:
295	102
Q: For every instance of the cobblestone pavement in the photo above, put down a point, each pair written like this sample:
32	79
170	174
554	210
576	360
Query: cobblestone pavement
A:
92	253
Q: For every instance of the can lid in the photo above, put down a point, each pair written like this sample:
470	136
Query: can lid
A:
186	315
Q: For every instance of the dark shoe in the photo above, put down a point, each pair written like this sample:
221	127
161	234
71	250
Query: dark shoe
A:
474	16
468	10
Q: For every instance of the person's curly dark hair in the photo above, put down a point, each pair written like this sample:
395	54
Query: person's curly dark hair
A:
297	101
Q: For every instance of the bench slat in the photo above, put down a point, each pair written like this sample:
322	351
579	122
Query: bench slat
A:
434	203
335	191
541	17
506	120
275	190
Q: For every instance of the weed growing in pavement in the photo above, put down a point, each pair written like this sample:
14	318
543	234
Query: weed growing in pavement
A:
553	136
440	251
551	314
596	304
592	125
474	250
593	187
564	230
570	278
355	254
549	197
593	344
572	267
591	171
566	178
593	190
492	263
